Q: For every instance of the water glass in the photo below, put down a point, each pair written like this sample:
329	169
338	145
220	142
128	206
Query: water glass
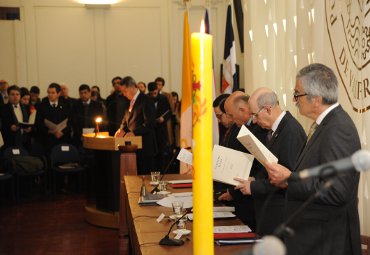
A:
155	176
162	185
181	224
177	207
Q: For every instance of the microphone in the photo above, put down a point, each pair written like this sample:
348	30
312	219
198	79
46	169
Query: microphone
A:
155	189
359	161
170	241
269	245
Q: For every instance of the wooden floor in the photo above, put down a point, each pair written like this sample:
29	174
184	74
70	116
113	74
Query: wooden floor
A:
54	226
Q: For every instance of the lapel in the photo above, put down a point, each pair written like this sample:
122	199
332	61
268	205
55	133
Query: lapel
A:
25	114
315	135
12	113
281	126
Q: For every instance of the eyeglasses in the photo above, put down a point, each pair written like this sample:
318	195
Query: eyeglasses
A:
296	95
219	115
254	115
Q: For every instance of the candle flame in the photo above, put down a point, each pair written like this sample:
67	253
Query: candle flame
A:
202	27
98	120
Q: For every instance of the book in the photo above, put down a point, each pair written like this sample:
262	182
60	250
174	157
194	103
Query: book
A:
31	121
254	146
228	164
53	128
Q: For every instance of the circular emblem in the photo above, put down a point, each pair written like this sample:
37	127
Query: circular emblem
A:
349	34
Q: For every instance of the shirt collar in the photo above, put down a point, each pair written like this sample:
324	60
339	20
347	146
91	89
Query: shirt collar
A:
136	95
326	112
277	121
52	103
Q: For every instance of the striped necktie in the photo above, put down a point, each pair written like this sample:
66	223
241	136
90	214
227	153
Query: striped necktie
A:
312	130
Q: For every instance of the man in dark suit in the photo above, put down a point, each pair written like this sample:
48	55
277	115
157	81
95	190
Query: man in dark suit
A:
84	113
330	224
162	115
116	105
286	138
11	114
53	110
64	94
139	120
237	108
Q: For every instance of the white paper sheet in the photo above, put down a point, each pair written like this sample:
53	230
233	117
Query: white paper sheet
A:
229	164
180	181
167	201
232	229
185	156
216	215
254	146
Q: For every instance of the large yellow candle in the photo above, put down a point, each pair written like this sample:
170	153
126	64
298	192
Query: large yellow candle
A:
201	48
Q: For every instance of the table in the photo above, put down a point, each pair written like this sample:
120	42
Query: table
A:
145	233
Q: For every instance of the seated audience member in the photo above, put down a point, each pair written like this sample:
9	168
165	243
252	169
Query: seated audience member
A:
51	112
162	115
139	120
35	95
285	139
221	118
84	113
12	114
3	92
142	86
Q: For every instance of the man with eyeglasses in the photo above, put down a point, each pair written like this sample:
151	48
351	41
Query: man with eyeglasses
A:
285	141
330	224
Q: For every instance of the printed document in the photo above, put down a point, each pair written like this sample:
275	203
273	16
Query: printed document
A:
229	164
53	128
254	146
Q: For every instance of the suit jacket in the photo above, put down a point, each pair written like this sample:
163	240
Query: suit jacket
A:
8	119
329	225
81	120
162	108
141	121
285	144
55	115
116	106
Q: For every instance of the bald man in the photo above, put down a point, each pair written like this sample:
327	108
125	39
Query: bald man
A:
236	106
285	140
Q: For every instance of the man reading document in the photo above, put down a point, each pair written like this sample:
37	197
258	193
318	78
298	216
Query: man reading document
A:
329	225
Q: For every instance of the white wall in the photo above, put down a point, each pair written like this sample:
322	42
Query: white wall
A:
62	41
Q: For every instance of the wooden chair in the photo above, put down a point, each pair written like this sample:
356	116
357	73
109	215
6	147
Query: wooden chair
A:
365	243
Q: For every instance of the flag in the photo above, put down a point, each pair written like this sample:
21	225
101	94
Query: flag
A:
214	119
229	83
186	128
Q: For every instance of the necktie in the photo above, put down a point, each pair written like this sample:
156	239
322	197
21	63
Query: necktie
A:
269	135
312	130
54	105
132	102
15	106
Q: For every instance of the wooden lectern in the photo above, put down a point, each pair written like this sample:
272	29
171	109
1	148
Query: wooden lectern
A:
102	207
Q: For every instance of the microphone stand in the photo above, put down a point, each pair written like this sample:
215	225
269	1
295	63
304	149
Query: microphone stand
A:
283	228
155	189
170	241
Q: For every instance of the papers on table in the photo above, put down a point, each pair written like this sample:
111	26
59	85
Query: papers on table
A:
53	128
150	199
229	164
224	209
88	130
182	194
254	146
185	156
180	181
216	215
232	229
167	201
